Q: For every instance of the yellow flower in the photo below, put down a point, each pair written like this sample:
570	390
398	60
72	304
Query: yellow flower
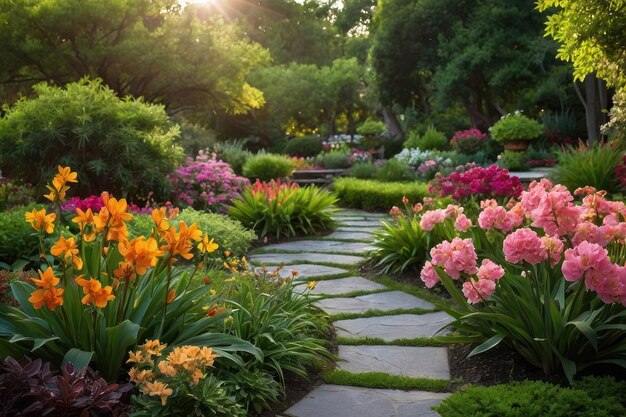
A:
153	347
311	284
95	293
197	376
47	293
212	291
140	377
68	249
141	253
158	389
207	246
136	357
160	220
84	219
41	221
167	369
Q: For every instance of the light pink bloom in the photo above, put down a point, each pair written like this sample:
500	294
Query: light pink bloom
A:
494	218
585	231
478	291
455	257
432	217
554	247
429	275
586	259
462	223
524	245
489	270
515	215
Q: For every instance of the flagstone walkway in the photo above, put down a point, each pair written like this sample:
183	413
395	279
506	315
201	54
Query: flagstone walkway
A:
350	300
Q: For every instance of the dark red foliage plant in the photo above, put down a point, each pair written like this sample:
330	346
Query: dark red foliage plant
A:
31	389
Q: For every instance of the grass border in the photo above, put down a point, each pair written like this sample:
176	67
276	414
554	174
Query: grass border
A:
385	381
375	341
379	313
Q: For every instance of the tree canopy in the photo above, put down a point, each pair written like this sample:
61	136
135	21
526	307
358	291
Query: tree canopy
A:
145	48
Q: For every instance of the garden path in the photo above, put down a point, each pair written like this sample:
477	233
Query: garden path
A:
383	334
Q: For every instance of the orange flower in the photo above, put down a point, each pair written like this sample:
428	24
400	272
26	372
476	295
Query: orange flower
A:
141	253
41	221
68	249
84	219
95	293
125	271
180	242
157	389
113	217
171	296
64	176
160	220
153	347
47	293
207	246
56	194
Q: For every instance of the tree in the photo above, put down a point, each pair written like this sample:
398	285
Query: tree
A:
145	48
591	36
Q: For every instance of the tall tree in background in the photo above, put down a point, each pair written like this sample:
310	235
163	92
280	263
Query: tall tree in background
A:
143	48
591	36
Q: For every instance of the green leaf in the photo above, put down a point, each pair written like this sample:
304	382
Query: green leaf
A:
79	358
588	331
492	342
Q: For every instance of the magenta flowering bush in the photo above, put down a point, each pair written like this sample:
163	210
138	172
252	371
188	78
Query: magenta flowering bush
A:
205	183
552	282
468	141
478	183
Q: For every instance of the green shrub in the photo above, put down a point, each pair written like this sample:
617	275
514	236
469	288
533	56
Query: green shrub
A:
432	139
18	240
233	153
266	166
371	127
376	195
256	389
333	159
588	165
123	146
516	126
281	209
601	397
305	146
194	137
228	233
393	146
514	161
364	170
394	170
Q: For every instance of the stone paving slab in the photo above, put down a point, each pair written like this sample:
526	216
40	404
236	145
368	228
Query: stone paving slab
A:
320	246
357	213
415	362
388	328
368	230
306	271
384	301
343	286
343	401
278	258
349	235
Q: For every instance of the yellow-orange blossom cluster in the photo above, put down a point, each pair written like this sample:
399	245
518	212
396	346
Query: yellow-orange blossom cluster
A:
140	254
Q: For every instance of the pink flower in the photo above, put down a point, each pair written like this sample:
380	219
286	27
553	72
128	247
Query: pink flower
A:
494	218
462	223
429	275
554	247
432	217
588	260
551	208
524	245
586	231
478	291
490	271
395	211
455	257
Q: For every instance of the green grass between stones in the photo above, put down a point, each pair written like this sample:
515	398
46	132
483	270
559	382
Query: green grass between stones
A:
375	341
383	380
379	313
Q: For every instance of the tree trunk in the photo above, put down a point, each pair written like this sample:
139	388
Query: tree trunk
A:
393	125
595	102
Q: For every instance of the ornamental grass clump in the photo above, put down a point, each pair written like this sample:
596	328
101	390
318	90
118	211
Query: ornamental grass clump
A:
284	209
404	241
98	293
205	183
552	281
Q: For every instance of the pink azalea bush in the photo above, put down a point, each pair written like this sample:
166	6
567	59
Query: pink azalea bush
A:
468	141
205	183
478	183
553	277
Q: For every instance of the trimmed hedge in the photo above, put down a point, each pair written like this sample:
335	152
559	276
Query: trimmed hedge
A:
304	146
597	397
377	195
